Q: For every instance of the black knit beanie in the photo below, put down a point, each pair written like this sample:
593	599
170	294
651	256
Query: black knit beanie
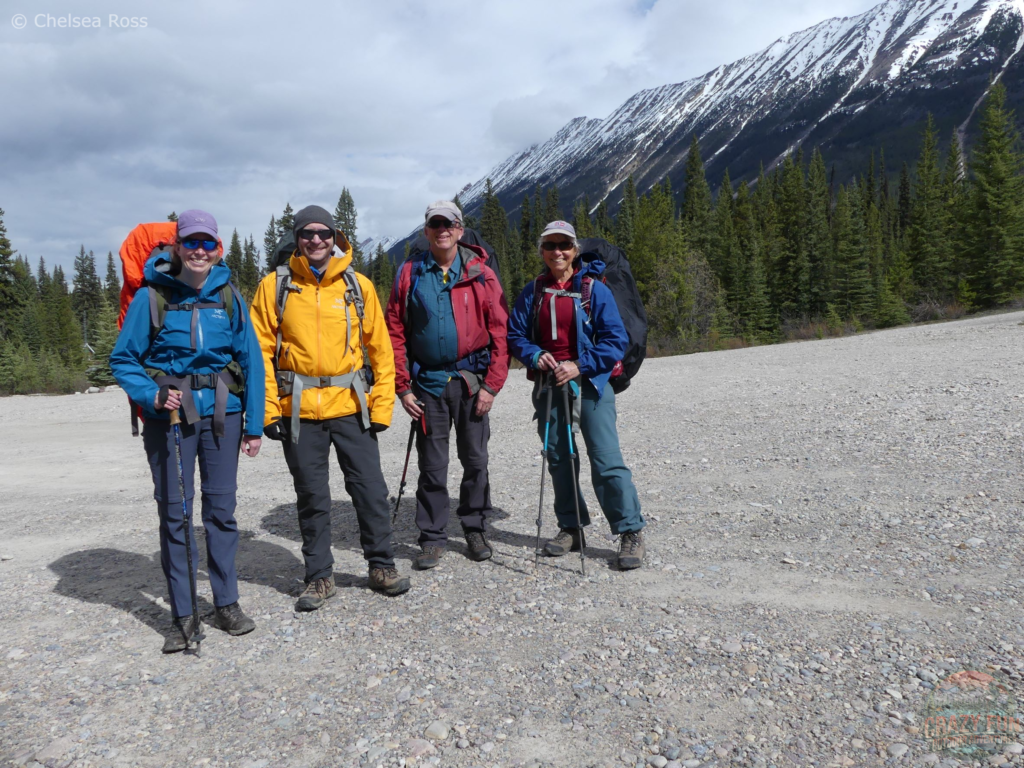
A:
313	214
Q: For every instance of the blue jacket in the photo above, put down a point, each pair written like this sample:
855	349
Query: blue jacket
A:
601	339
218	342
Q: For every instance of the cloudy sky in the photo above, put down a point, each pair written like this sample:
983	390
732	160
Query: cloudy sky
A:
239	107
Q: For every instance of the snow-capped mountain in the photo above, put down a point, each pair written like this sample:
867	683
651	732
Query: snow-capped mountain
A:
846	85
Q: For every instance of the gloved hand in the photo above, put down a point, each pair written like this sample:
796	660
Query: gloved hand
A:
375	427
276	430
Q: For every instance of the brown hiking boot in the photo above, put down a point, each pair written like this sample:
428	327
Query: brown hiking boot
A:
428	557
567	540
478	546
631	551
388	581
316	593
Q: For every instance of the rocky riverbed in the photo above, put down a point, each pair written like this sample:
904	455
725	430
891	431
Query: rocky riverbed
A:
834	530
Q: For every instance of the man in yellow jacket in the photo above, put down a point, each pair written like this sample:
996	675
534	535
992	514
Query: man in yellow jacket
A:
322	331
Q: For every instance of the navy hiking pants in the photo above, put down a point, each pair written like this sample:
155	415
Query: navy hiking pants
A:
218	473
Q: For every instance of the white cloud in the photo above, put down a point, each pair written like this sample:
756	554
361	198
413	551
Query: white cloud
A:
241	107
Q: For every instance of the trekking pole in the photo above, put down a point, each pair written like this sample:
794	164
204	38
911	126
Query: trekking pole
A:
197	633
572	471
408	453
543	466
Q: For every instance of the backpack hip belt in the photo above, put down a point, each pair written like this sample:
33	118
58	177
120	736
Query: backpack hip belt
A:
291	383
225	380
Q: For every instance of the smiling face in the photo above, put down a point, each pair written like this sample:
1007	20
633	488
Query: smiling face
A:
442	234
559	259
196	262
316	242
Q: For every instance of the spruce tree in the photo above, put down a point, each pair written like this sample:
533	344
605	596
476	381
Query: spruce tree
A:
996	215
818	239
904	202
87	297
286	221
270	245
791	273
98	372
233	260
9	303
625	221
927	243
581	219
112	283
697	207
724	254
552	209
345	218
249	275
604	227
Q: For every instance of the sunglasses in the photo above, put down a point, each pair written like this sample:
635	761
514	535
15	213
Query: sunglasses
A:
194	243
443	224
323	234
564	246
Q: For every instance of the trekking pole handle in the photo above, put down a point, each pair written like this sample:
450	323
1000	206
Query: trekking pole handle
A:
175	414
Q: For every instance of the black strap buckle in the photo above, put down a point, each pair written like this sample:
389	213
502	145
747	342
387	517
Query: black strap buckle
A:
325	381
204	381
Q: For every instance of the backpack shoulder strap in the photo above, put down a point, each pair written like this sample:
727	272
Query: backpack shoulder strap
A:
586	289
538	290
415	271
158	301
354	294
229	294
284	286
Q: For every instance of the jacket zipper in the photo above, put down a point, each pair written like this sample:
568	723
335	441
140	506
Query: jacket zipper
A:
319	351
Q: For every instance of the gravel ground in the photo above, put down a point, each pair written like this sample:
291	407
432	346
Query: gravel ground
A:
834	526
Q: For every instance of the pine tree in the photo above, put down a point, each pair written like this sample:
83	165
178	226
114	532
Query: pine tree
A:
855	295
112	283
249	275
581	219
98	372
270	245
697	208
725	256
818	237
791	273
996	215
233	260
604	227
552	210
172	216
625	221
905	202
286	222
9	304
383	274
927	245
87	298
493	221
345	218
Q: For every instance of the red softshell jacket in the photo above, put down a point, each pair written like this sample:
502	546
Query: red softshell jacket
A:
481	318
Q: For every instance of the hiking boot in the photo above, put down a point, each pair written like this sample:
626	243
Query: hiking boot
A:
316	593
428	557
388	581
479	548
567	540
181	628
631	551
231	619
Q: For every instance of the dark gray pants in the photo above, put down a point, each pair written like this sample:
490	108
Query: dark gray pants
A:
359	459
453	407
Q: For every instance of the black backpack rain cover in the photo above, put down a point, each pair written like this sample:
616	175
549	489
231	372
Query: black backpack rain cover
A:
619	278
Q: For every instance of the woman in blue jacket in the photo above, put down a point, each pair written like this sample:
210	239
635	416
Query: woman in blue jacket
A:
187	344
550	331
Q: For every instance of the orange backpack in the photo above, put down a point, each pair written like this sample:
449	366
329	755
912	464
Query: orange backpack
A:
141	243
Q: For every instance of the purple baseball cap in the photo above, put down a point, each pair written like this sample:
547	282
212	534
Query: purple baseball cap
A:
195	221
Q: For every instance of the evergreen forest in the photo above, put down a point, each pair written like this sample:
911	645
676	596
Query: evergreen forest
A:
793	254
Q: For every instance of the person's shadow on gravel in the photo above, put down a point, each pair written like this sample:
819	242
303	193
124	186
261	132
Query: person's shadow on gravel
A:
131	581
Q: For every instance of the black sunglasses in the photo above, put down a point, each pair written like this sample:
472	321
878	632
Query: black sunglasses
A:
193	243
564	246
309	234
443	224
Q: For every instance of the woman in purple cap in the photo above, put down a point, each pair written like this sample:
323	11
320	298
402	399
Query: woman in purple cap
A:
566	329
187	345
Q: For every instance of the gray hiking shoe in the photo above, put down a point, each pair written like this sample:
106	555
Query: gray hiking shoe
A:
181	628
428	557
316	594
567	540
231	619
388	581
631	551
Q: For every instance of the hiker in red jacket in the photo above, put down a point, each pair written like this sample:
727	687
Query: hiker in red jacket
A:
446	316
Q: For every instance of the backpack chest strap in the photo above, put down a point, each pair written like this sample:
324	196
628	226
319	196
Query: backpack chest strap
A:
156	321
556	293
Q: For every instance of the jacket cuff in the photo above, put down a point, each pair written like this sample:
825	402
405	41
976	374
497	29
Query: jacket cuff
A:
488	390
403	393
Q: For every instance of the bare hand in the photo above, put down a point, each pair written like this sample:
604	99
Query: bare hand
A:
484	401
546	362
251	445
566	371
173	401
409	403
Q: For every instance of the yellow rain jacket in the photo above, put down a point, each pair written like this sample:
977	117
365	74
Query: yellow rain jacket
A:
313	341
